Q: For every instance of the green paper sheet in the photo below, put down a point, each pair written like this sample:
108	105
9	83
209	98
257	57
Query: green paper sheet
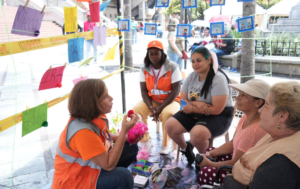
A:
34	118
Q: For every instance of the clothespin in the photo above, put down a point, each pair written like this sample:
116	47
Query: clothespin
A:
45	101
81	76
43	9
65	65
26	4
50	68
27	107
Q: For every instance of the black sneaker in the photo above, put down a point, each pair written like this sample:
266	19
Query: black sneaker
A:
189	154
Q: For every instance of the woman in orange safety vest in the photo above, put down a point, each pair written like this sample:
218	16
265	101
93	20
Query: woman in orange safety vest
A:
160	81
86	157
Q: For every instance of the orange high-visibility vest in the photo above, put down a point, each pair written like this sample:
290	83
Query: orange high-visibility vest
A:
70	170
164	84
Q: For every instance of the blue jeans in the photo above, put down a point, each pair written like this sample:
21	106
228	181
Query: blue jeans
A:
120	177
134	36
219	53
90	43
175	58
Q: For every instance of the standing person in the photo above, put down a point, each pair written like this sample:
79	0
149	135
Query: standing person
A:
175	47
141	28
160	86
226	47
175	16
86	156
89	26
134	27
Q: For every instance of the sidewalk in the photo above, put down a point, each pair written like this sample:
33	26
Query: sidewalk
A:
33	155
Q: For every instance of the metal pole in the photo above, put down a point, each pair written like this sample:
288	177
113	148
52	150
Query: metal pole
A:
185	40
121	59
220	10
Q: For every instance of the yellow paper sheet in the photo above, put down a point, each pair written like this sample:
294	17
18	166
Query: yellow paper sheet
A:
70	14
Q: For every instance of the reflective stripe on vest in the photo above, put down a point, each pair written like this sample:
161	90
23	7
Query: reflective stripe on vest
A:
82	163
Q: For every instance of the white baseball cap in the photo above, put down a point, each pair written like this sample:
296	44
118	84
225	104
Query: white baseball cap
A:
254	87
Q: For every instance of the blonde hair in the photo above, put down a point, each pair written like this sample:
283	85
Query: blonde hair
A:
286	97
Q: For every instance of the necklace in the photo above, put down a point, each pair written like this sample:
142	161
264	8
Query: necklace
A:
247	122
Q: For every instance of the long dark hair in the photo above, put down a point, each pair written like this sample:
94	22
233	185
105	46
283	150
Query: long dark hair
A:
147	61
211	73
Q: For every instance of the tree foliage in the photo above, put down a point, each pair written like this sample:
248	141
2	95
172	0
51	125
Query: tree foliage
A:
267	4
197	13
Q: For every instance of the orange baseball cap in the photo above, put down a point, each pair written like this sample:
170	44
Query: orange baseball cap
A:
155	44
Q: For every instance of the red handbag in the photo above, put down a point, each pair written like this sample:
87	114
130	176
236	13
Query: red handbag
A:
184	55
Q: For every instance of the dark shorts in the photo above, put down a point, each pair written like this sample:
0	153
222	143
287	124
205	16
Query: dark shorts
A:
216	124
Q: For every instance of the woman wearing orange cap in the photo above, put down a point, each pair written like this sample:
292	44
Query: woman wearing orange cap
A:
160	81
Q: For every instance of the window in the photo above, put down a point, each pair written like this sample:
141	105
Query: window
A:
104	14
110	15
115	15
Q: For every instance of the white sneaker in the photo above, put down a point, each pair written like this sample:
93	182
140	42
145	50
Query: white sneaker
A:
164	150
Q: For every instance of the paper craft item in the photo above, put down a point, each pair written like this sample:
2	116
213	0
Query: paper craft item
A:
244	0
245	24
99	35
27	22
187	4
216	28
86	62
34	118
150	29
184	30
75	49
162	3
110	55
124	25
217	2
70	14
84	0
52	78
75	81
95	11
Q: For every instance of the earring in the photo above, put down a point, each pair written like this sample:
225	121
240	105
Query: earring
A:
278	127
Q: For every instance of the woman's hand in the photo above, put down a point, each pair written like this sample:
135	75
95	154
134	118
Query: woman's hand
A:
188	108
203	107
180	54
208	154
156	111
205	163
126	125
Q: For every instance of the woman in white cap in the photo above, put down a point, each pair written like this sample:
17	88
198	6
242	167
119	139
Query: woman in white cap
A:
252	95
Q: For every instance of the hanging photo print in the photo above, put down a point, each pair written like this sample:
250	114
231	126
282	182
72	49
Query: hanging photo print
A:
124	25
244	0
216	28
187	4
245	24
162	3
217	2
150	29
184	30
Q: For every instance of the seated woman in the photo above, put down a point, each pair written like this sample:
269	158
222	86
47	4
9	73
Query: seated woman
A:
86	157
252	95
208	112
160	86
274	162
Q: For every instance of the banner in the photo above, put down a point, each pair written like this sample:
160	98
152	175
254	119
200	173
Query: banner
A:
41	43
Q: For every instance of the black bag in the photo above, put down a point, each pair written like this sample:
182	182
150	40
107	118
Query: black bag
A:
217	184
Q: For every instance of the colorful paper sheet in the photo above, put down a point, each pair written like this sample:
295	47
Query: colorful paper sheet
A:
70	14
75	81
99	36
110	55
34	118
75	49
95	11
27	21
52	78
